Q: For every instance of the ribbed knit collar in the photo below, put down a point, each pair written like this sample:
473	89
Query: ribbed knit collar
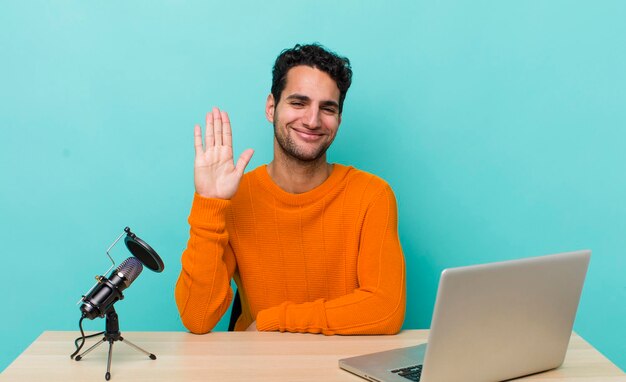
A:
338	173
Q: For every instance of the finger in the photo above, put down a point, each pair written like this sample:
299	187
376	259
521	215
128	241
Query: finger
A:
217	126
197	136
227	133
210	135
243	161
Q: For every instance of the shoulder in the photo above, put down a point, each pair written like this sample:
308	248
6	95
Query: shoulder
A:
365	188
252	174
249	184
367	182
254	178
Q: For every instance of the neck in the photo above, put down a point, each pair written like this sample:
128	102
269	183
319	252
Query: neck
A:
298	177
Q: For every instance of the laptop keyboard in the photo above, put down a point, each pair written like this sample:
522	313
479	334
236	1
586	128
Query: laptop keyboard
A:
412	373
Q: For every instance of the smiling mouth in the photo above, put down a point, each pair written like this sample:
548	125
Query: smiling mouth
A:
308	136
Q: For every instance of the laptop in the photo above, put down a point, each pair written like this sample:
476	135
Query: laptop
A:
491	322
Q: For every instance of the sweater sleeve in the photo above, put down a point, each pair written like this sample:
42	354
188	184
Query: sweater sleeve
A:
377	306
203	291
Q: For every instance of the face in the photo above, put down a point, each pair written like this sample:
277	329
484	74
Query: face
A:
306	118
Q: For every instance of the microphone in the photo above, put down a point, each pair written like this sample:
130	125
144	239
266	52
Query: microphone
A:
109	290
99	300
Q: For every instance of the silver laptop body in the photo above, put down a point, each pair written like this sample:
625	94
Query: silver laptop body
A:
491	322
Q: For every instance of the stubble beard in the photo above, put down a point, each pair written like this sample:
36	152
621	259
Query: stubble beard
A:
291	149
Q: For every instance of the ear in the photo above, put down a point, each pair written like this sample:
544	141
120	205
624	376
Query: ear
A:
269	108
339	120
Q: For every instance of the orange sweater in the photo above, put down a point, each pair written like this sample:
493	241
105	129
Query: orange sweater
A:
325	261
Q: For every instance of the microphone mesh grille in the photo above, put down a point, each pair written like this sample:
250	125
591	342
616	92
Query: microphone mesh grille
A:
130	268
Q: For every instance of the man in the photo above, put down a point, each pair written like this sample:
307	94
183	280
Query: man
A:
312	246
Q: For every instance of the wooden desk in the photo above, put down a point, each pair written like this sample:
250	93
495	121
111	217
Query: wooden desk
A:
237	356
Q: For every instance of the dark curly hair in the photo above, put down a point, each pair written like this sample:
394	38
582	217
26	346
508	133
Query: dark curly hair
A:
315	56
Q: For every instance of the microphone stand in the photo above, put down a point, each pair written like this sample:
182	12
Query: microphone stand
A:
111	335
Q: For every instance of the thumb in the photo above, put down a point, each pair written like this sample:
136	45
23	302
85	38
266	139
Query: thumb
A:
243	161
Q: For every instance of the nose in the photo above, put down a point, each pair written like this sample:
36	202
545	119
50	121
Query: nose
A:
311	117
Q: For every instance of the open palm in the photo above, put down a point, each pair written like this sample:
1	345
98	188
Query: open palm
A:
215	173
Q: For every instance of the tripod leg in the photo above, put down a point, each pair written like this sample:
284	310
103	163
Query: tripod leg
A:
80	356
107	376
152	356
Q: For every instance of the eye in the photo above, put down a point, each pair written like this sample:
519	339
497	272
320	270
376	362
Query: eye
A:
297	104
329	110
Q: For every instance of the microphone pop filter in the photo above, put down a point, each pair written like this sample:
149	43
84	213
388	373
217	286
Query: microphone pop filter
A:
142	251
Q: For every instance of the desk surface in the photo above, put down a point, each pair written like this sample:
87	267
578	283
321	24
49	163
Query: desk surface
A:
226	356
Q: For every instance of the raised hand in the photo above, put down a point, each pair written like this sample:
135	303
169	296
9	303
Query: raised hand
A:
215	173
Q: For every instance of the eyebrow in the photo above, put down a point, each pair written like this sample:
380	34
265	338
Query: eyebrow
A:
301	97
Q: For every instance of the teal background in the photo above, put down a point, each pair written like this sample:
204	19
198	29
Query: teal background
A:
500	126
